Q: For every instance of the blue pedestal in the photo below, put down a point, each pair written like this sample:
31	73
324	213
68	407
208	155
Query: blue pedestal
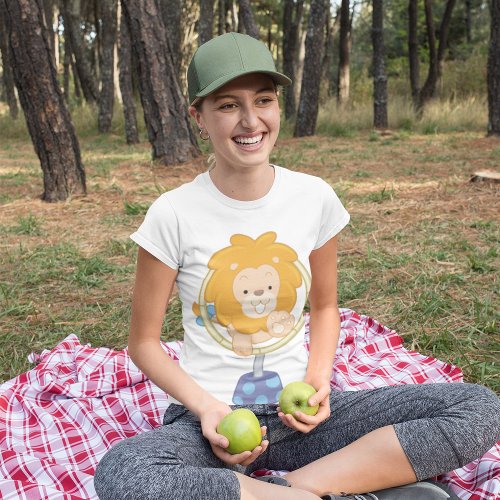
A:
262	389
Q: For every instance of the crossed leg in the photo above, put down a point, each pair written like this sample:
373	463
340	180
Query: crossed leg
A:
388	437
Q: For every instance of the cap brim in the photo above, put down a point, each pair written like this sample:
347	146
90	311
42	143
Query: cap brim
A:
279	78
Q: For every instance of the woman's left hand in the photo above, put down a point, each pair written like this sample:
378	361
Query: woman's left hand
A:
306	423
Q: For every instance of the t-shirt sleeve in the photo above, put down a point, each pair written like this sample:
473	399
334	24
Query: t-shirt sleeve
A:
159	233
334	217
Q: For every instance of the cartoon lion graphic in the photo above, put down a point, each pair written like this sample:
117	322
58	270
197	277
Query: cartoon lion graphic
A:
254	289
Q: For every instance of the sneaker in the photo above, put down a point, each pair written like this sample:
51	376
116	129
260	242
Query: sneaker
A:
423	490
278	480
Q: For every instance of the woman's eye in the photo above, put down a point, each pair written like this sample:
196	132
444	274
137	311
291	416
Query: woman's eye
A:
227	106
265	100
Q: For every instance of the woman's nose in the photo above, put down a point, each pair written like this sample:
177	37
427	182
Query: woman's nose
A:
250	118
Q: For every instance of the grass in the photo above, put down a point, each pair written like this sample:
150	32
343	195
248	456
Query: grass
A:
440	116
420	254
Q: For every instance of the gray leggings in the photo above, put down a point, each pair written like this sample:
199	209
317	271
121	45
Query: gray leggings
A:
441	427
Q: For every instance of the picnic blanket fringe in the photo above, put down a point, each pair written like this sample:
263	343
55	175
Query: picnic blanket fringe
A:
58	419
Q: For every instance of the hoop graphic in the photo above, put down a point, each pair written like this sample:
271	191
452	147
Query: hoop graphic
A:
220	339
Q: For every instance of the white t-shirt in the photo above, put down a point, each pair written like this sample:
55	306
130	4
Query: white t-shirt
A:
243	278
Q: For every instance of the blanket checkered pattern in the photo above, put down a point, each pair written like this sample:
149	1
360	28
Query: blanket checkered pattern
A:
58	419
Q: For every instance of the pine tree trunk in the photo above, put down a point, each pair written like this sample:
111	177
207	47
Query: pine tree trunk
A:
7	76
413	59
444	29
427	91
125	65
494	72
165	110
47	118
379	76
292	17
107	64
344	53
436	57
468	21
206	21
327	78
66	68
48	6
247	18
171	13
299	62
311	79
221	17
95	60
71	16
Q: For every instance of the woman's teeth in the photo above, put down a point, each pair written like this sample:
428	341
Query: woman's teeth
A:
248	140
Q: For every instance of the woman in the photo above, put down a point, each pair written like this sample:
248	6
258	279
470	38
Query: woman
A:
247	243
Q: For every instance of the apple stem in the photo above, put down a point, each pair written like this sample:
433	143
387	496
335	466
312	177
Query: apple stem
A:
258	365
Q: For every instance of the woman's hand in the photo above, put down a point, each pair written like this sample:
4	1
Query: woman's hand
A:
306	423
210	420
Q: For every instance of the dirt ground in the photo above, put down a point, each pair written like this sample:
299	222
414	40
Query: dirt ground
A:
420	253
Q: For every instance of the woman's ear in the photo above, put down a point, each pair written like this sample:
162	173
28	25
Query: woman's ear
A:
196	115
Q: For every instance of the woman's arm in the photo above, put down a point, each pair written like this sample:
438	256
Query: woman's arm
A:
153	288
324	329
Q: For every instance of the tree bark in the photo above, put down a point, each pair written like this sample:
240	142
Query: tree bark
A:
165	110
493	77
48	6
468	21
206	21
413	59
379	75
292	17
332	28
47	118
71	16
299	62
344	53
66	68
443	34
126	87
427	91
7	75
247	18
311	79
435	56
235	24
171	13
107	64
221	17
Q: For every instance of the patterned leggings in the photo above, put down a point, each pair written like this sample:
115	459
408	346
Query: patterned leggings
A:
441	427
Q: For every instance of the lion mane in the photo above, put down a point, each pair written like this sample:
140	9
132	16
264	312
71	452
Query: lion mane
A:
244	253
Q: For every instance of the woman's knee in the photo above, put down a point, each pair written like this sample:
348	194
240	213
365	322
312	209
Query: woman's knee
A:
109	471
486	404
127	469
480	417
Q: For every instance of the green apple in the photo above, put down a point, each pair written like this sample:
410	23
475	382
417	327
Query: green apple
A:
242	429
295	397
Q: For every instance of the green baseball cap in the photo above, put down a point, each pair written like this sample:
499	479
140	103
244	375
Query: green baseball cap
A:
225	58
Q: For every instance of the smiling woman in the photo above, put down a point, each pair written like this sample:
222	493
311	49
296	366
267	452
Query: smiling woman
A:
248	243
242	120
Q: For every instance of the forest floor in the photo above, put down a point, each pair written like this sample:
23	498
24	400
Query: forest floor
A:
420	254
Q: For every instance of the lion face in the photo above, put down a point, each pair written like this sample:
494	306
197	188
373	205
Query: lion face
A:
251	279
256	289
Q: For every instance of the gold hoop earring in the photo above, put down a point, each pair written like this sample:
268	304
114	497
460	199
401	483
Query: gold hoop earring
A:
204	137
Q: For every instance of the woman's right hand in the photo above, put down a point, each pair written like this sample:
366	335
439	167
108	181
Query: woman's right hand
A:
210	419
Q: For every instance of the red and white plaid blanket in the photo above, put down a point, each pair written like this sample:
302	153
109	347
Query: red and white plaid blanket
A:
58	419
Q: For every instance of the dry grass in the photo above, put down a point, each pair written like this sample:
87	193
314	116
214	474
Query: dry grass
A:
420	254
